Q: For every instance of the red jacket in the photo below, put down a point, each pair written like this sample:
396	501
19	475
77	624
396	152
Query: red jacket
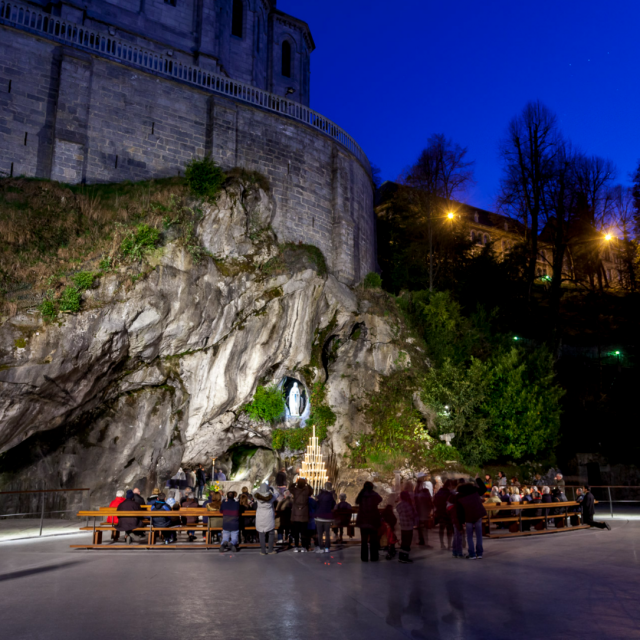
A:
114	505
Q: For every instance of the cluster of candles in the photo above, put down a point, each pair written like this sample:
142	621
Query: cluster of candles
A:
313	468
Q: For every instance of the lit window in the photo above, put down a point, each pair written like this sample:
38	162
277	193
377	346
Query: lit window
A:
286	59
237	18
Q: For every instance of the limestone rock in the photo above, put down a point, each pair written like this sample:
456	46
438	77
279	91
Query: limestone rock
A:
153	376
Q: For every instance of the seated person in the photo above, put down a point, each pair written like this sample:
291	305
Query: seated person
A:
190	502
165	520
128	523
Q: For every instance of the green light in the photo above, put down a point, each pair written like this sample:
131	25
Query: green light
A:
516	338
617	353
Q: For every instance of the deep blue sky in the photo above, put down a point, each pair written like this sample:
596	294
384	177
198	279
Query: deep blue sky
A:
393	73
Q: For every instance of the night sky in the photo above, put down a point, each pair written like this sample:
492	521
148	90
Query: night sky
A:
393	73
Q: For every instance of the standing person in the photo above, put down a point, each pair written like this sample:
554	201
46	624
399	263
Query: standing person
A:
114	504
438	485
137	497
423	503
190	502
324	517
474	512
488	482
231	512
265	517
456	514
343	517
388	530
589	510
312	534
443	519
368	521
128	523
201	479
283	513
300	492
502	479
560	484
213	503
218	475
408	518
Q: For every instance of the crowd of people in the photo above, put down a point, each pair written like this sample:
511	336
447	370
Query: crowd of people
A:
298	518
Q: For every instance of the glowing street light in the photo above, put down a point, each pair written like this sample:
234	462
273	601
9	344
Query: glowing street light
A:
450	215
608	237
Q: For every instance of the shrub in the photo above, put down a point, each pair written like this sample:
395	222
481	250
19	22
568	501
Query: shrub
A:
83	280
204	177
372	281
138	242
70	300
296	439
48	308
267	404
106	264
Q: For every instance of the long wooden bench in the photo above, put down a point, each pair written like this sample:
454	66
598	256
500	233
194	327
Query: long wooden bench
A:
98	528
547	513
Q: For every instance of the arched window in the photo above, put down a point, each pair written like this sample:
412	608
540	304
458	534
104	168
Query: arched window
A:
485	239
473	236
286	59
237	18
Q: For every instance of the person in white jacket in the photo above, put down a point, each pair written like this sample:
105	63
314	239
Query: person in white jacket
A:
265	517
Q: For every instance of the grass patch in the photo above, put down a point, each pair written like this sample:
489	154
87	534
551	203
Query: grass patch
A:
139	241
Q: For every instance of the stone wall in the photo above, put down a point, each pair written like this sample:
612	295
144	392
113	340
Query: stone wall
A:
88	119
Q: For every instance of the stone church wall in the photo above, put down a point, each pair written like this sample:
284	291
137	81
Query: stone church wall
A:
76	117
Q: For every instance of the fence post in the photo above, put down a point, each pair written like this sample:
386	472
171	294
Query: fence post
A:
610	501
42	513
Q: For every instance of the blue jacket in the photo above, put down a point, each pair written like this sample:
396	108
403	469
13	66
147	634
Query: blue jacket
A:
160	505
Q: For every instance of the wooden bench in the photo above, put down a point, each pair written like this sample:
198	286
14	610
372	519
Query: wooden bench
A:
98	528
544	517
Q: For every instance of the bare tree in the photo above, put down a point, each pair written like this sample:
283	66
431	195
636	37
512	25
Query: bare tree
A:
528	154
441	173
624	213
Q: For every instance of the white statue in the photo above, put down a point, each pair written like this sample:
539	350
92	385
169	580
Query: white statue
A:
294	400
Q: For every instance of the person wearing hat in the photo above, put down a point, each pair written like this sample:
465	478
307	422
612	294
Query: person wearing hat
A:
265	517
128	523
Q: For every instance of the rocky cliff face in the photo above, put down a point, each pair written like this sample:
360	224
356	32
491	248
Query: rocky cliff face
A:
153	374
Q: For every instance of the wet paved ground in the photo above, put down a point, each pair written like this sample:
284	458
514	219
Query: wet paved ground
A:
579	585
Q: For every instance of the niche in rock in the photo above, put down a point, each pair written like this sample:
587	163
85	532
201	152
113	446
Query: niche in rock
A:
296	399
250	465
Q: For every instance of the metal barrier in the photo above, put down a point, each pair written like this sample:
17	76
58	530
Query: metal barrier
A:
41	509
603	493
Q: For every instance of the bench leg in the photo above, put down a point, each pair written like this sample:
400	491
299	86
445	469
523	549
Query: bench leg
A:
97	537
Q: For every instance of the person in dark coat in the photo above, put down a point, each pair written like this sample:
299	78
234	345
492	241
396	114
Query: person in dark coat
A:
300	492
164	520
389	519
343	517
588	510
128	523
423	503
283	513
137	497
281	478
324	516
443	519
471	502
201	480
368	521
231	512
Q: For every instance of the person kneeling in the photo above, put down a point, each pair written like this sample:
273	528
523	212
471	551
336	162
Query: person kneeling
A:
231	511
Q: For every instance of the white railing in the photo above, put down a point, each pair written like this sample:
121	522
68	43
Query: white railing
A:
37	21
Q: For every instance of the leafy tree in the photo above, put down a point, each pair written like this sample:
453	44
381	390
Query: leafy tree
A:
204	177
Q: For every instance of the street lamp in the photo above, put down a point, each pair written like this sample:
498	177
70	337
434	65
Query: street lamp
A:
608	237
450	215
